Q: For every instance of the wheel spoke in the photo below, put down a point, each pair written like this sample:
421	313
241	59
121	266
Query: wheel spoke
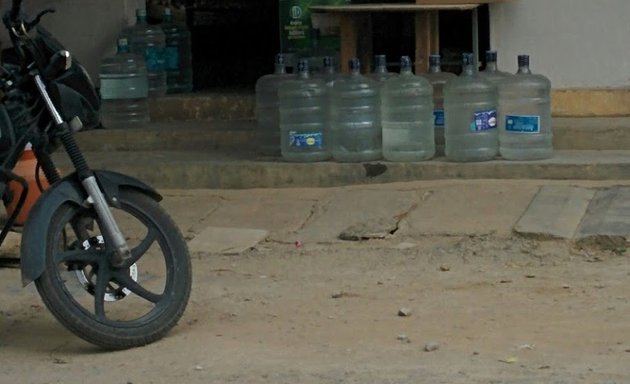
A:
102	281
143	247
126	281
86	256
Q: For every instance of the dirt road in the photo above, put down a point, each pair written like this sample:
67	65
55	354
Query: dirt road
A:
476	308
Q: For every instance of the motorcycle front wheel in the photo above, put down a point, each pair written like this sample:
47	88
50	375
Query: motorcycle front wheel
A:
111	307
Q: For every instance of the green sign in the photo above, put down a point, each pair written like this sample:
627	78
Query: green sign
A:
305	33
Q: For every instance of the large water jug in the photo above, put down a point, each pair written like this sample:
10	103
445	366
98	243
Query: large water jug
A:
492	72
470	105
525	115
438	79
177	55
407	116
267	112
124	89
355	130
304	117
149	41
380	72
329	71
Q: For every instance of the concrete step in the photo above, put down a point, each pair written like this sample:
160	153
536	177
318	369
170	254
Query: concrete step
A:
601	133
172	135
204	106
587	216
236	169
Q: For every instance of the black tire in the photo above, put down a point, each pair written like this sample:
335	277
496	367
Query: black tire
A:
116	310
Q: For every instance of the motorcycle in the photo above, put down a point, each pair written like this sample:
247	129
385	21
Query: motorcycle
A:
107	260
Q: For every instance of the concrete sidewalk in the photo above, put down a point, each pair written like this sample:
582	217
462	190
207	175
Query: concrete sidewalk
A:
221	154
231	221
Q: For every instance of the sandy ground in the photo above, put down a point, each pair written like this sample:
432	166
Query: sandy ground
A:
478	308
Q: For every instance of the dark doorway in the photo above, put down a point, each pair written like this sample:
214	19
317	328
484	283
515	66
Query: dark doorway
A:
394	35
456	36
233	41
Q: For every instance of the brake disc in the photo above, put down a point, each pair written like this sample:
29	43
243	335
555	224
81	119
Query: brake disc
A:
87	275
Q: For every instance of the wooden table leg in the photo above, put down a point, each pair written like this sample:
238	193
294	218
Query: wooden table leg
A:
356	40
427	38
475	36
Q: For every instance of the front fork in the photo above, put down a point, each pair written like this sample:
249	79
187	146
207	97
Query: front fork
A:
86	176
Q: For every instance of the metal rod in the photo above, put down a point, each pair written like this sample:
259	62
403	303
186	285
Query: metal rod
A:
109	223
49	104
110	227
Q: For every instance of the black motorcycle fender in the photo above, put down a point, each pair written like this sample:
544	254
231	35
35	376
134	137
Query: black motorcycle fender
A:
67	190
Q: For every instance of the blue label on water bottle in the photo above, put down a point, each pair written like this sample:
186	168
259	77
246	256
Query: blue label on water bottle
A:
154	59
171	58
438	116
522	124
306	140
484	121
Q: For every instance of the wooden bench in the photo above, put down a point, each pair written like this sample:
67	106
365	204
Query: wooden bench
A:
356	27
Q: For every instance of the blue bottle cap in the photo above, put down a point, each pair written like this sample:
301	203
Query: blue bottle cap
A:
380	60
405	62
491	56
467	59
302	65
434	60
523	60
279	58
355	64
328	61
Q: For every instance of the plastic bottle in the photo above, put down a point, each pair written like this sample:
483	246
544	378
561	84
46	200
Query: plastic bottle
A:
355	131
177	55
407	116
329	73
525	115
470	105
380	72
304	117
438	79
149	41
267	112
492	72
124	89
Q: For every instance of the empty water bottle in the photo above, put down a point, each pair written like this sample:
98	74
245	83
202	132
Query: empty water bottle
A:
124	89
470	103
149	41
492	72
355	130
329	72
438	79
177	55
525	115
380	72
304	117
407	115
267	112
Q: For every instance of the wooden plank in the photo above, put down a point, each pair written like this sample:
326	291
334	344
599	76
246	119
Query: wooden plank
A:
427	38
359	8
349	35
356	40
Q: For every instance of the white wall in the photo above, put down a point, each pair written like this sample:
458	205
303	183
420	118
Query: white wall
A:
576	43
87	28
